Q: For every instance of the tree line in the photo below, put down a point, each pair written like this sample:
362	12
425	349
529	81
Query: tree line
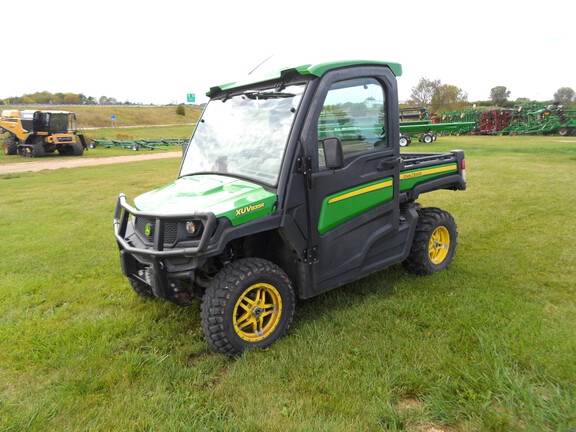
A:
438	97
48	98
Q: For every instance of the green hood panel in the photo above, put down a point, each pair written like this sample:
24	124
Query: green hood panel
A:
238	200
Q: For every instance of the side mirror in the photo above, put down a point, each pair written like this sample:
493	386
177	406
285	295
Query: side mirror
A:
333	154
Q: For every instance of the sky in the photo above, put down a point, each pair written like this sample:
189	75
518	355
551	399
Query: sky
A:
157	52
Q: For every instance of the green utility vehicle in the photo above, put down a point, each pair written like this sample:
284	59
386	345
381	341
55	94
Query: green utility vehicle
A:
291	185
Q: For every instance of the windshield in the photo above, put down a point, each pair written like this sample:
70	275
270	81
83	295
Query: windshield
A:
58	123
245	135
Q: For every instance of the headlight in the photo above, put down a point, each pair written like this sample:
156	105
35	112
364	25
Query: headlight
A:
193	227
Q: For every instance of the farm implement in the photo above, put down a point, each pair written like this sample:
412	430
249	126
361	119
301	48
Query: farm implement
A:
537	119
414	123
525	119
135	145
426	132
417	123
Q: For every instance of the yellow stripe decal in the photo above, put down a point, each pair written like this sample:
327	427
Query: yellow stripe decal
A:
425	172
361	191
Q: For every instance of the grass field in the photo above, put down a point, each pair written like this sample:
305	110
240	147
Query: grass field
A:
176	131
99	115
489	345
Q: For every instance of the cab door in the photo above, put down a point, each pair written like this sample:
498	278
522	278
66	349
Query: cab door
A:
354	210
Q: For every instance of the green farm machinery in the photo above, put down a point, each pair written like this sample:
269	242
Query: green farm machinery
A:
535	119
137	144
425	128
524	119
418	126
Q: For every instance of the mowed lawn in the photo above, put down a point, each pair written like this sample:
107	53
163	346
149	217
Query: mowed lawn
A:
489	345
100	150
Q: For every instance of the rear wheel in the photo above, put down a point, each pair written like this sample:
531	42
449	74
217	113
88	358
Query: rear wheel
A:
434	243
75	149
427	138
10	145
249	304
564	131
404	141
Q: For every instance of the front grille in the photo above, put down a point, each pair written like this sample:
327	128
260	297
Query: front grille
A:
170	230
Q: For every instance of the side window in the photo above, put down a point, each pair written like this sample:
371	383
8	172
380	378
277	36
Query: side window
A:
354	111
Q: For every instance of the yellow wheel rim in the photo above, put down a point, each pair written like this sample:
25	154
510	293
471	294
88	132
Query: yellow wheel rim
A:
257	312
439	245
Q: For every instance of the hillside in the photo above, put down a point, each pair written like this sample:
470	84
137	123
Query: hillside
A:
97	116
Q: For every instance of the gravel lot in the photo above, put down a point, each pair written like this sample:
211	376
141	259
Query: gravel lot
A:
75	162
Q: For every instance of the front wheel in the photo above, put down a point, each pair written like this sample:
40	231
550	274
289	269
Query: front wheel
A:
249	304
141	288
38	149
434	243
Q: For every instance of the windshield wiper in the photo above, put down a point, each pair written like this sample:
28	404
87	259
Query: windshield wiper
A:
268	95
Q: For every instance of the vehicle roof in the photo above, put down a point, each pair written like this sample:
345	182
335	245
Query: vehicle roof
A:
47	111
306	69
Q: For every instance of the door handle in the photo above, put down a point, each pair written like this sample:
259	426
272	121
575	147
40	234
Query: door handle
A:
385	164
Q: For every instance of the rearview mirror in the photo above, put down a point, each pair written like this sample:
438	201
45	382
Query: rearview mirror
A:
333	152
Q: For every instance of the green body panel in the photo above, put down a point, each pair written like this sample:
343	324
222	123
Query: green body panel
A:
408	179
307	69
321	68
238	200
345	205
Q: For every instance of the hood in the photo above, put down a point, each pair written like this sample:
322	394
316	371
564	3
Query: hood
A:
238	200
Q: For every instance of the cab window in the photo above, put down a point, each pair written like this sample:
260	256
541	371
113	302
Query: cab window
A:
354	111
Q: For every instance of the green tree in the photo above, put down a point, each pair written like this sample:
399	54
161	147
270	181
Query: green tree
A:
58	98
423	92
564	95
448	97
181	110
71	99
437	97
499	95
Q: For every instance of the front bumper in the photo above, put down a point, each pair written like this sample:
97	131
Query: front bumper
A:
162	268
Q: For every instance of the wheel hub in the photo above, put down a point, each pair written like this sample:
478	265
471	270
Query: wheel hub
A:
257	312
439	245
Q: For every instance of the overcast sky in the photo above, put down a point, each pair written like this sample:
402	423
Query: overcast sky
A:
159	51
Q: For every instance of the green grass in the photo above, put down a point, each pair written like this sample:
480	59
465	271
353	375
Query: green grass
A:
488	345
169	132
142	132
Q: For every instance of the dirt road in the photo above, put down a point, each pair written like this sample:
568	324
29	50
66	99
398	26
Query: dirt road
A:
44	164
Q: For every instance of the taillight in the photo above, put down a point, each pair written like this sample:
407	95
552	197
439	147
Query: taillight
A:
463	168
